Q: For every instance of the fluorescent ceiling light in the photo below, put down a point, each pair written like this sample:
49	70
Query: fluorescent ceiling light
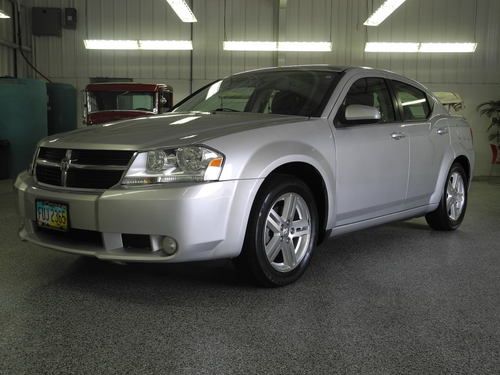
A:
110	44
384	11
165	45
391	47
232	45
420	47
3	14
448	47
182	10
305	46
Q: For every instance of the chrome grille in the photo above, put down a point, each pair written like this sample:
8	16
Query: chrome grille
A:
84	169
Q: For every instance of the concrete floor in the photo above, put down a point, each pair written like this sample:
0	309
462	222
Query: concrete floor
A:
396	299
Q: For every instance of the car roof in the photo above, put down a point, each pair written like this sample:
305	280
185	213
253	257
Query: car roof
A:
323	67
340	69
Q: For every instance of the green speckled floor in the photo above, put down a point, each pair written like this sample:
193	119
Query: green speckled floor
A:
390	300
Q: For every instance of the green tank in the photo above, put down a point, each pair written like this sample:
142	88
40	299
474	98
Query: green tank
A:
23	119
62	107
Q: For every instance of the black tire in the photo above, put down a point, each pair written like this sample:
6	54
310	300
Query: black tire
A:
442	218
276	191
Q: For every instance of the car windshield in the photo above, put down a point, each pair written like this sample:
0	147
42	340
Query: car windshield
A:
287	92
121	101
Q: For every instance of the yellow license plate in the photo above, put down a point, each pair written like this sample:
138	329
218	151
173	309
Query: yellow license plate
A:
52	215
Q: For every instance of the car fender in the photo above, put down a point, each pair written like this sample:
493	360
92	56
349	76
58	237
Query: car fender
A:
460	145
312	144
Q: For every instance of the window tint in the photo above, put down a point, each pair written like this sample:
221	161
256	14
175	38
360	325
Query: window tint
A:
372	92
413	101
232	100
287	92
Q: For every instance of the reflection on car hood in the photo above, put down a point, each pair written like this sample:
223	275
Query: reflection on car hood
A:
173	129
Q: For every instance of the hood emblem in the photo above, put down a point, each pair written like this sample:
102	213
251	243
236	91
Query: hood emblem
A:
65	164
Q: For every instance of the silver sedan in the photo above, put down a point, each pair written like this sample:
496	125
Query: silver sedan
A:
259	167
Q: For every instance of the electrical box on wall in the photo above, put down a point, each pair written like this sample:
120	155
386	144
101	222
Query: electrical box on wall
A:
46	21
70	18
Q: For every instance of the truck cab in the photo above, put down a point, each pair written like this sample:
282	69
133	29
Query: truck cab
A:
107	102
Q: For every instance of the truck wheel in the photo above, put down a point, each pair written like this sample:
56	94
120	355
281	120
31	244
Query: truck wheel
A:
451	209
282	232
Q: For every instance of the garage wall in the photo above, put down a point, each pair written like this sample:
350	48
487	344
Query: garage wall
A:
6	36
8	42
475	76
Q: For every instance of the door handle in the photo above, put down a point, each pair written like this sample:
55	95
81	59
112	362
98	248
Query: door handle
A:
397	135
442	131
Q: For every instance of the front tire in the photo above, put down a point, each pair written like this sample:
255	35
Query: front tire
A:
282	232
451	209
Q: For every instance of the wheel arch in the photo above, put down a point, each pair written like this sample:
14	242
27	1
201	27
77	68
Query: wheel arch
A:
312	177
465	163
463	160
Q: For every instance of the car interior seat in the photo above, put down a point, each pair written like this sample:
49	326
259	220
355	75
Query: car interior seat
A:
288	103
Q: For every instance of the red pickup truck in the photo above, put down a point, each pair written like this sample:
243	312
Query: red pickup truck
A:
106	102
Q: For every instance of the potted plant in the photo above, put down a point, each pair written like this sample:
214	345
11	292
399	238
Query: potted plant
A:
491	109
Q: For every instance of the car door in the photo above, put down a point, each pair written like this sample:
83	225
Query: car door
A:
372	159
429	140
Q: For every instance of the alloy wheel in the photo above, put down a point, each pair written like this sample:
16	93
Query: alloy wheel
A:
455	196
288	232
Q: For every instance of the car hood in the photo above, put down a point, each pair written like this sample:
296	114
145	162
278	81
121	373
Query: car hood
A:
173	129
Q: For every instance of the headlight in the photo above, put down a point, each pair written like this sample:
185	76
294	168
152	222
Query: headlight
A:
184	164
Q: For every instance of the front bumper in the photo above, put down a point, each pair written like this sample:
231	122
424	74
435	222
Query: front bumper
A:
208	220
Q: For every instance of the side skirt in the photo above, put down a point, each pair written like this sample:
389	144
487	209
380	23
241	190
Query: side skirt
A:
397	216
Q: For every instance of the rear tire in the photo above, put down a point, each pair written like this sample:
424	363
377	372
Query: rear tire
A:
451	209
282	232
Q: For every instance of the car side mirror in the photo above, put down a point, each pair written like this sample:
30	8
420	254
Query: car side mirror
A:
362	113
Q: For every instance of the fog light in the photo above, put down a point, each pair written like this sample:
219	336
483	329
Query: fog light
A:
169	246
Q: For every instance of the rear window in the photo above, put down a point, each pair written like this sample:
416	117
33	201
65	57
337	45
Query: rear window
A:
413	102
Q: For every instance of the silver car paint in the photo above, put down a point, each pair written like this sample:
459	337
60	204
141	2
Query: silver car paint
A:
366	172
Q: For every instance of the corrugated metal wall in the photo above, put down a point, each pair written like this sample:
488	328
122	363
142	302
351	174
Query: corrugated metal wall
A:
342	20
416	20
65	59
6	35
8	41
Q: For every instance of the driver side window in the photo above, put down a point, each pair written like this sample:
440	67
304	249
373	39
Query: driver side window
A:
371	92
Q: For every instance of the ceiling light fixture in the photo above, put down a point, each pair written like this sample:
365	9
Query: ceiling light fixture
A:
305	46
166	45
111	44
3	14
271	46
448	47
158	45
384	11
182	10
232	45
392	47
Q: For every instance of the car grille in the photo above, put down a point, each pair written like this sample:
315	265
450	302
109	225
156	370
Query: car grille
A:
84	169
